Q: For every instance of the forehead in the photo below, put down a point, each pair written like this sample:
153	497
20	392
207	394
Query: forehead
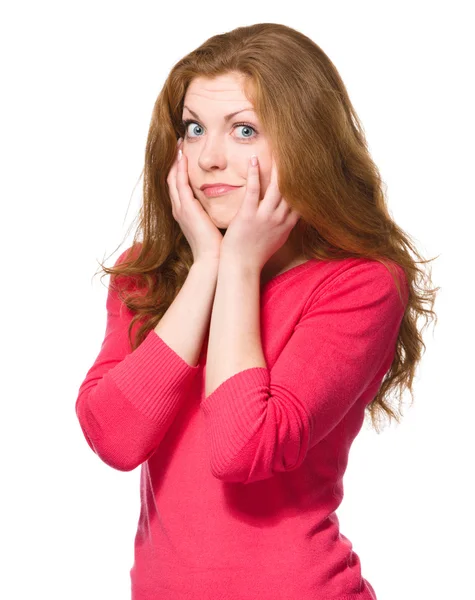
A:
227	89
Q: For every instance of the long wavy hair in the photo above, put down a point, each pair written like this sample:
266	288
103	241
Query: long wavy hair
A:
325	172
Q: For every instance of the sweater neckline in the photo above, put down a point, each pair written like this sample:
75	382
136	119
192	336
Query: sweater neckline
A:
273	281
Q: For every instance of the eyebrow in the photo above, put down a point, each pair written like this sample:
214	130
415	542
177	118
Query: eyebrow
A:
226	118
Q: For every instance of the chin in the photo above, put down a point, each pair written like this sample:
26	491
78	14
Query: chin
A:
220	216
219	223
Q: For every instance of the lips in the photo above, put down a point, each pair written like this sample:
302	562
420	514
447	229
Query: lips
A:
207	185
213	191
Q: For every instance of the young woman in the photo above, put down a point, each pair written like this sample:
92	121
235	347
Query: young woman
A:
268	307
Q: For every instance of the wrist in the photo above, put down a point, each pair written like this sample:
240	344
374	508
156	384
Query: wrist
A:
233	262
206	265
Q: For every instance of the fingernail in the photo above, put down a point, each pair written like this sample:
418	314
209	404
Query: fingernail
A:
179	154
253	160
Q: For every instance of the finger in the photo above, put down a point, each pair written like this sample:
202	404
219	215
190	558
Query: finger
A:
182	182
283	210
273	201
253	188
172	185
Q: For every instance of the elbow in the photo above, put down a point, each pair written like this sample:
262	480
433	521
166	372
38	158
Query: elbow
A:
117	463
108	443
252	463
234	476
238	470
229	476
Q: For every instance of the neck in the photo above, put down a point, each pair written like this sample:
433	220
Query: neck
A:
285	258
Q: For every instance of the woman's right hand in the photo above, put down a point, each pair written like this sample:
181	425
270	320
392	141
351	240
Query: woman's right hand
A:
202	234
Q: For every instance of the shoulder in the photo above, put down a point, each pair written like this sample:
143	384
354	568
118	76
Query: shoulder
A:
130	253
363	279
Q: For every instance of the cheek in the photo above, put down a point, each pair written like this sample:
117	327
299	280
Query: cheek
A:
193	180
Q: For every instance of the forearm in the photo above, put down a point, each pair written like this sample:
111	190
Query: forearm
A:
234	337
184	325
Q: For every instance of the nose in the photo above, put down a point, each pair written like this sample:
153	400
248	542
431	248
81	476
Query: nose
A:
213	154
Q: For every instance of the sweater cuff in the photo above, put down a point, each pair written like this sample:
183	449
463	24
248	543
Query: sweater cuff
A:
153	377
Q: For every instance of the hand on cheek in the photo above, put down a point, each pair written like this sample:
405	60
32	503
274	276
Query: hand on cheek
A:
261	226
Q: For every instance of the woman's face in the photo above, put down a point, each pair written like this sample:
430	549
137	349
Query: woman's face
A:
218	151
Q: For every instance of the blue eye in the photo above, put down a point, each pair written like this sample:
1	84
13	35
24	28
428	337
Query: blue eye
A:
247	126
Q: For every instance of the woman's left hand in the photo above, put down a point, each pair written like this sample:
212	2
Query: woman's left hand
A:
259	229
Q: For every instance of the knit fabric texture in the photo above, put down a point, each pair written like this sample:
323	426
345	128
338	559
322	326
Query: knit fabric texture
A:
239	490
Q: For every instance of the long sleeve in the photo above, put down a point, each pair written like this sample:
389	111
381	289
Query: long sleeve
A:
128	400
262	421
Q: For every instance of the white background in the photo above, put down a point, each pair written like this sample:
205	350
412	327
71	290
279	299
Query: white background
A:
79	80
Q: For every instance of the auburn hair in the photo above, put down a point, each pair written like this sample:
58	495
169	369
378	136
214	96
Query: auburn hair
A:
325	172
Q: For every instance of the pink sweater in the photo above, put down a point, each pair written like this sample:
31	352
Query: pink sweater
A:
239	490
